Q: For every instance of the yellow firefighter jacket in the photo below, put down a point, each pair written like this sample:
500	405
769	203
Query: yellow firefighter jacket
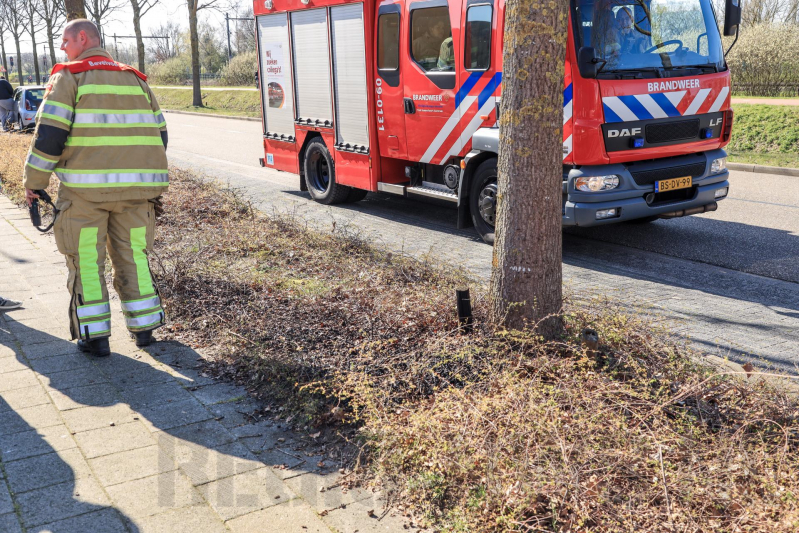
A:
99	128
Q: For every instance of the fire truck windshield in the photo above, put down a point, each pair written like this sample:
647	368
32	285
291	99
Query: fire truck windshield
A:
642	35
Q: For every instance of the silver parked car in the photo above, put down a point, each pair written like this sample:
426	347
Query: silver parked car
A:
27	100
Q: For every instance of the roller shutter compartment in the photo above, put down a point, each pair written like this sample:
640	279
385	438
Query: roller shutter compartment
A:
277	91
349	77
312	67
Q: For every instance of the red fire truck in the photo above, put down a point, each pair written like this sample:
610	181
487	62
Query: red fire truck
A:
403	96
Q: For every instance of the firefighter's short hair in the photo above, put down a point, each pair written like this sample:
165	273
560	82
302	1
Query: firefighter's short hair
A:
83	25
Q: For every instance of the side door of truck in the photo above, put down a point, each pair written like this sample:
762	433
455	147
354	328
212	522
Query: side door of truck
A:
430	77
389	90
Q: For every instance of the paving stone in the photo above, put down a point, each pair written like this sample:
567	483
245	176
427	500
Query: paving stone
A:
321	492
9	523
50	349
356	517
17	380
294	516
210	434
45	470
153	495
40	416
145	376
21	398
218	393
62	363
88	418
131	465
140	398
104	394
6	504
35	442
12	364
288	462
105	520
170	415
202	464
191	377
74	378
233	414
61	501
108	440
187	520
42	336
8	351
245	493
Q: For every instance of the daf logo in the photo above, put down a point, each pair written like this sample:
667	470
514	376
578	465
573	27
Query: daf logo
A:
624	133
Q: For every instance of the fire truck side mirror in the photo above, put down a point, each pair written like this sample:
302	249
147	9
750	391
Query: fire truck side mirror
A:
588	62
732	17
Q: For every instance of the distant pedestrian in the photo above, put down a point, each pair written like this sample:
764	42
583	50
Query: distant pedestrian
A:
257	80
6	102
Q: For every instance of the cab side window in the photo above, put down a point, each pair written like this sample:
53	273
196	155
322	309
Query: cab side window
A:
388	41
477	42
431	39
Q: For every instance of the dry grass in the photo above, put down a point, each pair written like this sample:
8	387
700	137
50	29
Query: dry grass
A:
494	431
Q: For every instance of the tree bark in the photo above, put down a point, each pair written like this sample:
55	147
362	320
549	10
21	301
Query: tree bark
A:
137	32
526	280
35	54
3	51
19	60
50	43
197	99
75	9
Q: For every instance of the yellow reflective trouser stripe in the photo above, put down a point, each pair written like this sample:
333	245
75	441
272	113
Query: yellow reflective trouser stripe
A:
138	242
128	140
89	270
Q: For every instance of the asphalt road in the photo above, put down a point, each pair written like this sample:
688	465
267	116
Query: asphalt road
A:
731	277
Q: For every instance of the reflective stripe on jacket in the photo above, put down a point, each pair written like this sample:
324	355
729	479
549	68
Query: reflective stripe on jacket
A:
99	128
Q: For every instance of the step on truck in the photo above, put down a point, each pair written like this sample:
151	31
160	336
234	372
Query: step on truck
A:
404	96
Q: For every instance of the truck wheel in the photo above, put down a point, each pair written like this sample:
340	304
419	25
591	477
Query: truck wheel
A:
320	175
356	195
483	199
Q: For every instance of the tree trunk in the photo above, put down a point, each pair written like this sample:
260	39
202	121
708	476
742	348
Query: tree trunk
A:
197	99
35	55
526	280
3	51
50	43
137	31
75	9
19	60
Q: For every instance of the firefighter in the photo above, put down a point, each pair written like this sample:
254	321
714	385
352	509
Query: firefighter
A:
99	128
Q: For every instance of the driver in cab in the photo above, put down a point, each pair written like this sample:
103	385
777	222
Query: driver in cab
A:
625	37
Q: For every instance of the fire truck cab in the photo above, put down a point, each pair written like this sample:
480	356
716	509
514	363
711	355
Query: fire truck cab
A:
403	97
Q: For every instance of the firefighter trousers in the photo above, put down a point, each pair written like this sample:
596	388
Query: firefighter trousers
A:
83	231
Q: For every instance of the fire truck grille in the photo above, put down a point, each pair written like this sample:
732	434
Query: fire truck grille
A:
673	131
648	177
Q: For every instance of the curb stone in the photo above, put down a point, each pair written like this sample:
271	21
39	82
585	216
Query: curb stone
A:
763	169
232	117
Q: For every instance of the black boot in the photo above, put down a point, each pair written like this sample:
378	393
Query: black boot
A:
143	338
96	347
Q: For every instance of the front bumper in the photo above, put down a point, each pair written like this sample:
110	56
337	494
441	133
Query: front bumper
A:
580	208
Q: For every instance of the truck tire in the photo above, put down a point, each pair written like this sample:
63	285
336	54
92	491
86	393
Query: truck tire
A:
320	175
356	195
483	199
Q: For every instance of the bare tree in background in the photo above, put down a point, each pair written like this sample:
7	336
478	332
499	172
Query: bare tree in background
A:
140	8
99	11
74	9
195	6
13	14
53	15
3	40
244	35
34	26
163	49
526	280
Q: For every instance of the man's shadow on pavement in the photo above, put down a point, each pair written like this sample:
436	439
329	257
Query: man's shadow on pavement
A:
134	406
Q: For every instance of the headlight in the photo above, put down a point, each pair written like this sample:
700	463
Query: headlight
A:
718	165
596	183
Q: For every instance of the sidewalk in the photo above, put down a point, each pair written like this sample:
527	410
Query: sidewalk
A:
140	442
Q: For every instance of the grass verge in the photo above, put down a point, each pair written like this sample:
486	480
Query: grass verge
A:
233	103
494	431
765	135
